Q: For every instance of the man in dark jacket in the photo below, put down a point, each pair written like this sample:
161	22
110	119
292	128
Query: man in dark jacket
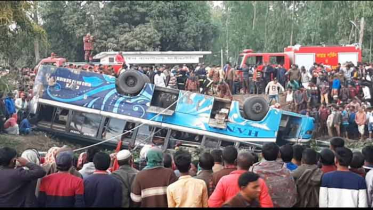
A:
308	180
2	113
99	185
125	174
206	162
15	182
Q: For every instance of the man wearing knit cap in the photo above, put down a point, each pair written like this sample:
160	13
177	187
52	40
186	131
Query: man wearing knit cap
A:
125	174
62	189
149	189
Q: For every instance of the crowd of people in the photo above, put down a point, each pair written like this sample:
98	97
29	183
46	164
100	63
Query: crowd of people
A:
286	176
15	106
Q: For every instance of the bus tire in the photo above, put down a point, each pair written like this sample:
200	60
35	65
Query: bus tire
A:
130	82
255	108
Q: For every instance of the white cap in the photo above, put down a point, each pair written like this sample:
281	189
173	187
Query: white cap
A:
123	154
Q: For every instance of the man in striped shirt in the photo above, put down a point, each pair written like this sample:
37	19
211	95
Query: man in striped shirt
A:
343	188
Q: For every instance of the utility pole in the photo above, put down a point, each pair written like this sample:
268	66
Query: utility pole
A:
221	58
361	31
36	40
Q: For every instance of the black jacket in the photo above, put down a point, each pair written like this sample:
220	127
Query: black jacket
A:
15	184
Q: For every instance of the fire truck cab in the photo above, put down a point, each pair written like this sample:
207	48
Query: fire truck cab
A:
303	56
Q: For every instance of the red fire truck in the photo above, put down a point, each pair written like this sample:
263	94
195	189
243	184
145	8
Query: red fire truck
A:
305	56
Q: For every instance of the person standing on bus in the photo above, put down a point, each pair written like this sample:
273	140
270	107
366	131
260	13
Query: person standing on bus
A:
88	47
119	58
272	90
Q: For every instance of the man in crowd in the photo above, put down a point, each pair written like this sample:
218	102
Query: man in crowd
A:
227	189
287	155
89	167
218	160
100	184
343	188
125	174
336	142
278	182
16	182
360	121
272	90
187	191
9	105
229	157
62	189
308	180
149	189
167	161
368	165
327	161
249	192
297	154
21	105
206	162
3	112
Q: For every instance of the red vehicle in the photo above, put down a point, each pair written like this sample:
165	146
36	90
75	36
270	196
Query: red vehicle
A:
305	56
54	60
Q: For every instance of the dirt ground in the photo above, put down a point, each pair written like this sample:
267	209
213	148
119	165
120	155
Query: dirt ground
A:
39	140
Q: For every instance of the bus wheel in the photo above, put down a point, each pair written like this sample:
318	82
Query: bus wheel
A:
130	82
255	108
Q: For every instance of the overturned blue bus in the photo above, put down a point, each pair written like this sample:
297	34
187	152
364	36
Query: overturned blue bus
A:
95	107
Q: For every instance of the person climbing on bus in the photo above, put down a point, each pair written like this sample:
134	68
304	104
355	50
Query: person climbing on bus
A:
272	90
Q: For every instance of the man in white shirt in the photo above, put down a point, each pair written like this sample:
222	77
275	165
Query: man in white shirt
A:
159	79
305	77
272	90
21	103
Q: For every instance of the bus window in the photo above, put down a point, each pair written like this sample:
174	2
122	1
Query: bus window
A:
151	135
226	143
85	123
178	137
60	119
212	143
113	127
45	119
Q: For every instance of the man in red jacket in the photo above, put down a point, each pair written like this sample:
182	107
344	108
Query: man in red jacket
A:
228	187
88	47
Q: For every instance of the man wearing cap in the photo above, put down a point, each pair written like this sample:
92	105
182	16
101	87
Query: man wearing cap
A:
149	189
62	189
125	174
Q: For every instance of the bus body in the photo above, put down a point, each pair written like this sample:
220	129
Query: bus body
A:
87	105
